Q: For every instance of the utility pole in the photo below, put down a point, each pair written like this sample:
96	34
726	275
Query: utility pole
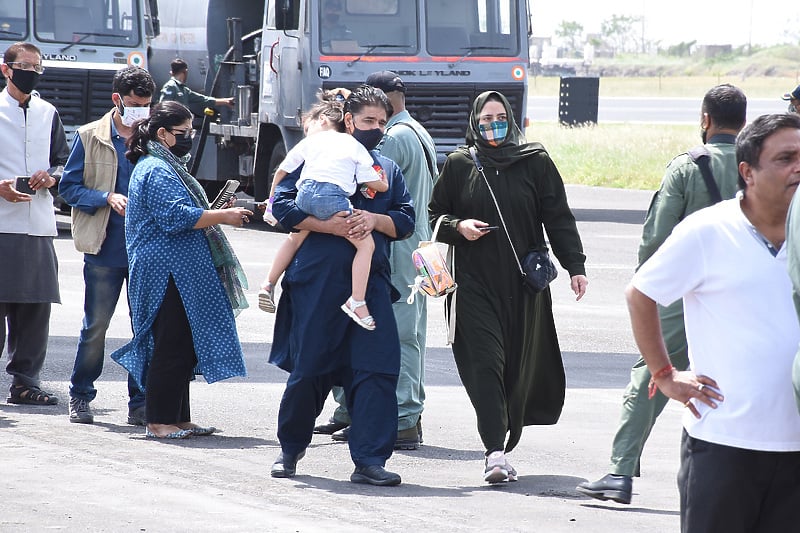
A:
644	9
750	31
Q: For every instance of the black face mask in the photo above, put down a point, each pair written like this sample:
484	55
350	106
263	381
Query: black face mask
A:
369	138
25	80
182	146
704	135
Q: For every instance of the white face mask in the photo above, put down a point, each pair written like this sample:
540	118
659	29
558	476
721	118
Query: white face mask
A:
129	115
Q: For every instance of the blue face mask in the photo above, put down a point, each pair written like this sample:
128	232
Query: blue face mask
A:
494	132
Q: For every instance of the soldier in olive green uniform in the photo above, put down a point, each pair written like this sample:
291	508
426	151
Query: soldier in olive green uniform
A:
683	191
793	265
176	90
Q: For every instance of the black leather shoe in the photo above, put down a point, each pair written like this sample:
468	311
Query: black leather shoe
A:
286	465
609	487
407	439
137	417
374	475
342	435
331	427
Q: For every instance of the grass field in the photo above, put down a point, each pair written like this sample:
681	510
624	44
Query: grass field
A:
633	156
628	156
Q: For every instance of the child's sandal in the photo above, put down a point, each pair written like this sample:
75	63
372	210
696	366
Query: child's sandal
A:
266	299
350	307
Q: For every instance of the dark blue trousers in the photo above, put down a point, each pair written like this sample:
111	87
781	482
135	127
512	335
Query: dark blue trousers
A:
371	401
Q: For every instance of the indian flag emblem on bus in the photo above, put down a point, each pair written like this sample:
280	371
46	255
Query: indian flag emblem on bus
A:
518	73
136	59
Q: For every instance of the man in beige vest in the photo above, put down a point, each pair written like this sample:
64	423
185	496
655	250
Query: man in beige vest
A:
95	184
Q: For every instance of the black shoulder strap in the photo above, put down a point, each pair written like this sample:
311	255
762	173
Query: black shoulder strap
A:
431	164
702	158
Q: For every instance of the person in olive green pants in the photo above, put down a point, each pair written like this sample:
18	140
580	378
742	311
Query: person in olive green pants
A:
683	191
793	266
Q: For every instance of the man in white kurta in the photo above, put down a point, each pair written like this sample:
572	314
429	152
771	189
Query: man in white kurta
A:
35	147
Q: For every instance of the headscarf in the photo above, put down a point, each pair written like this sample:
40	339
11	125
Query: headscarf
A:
514	147
228	268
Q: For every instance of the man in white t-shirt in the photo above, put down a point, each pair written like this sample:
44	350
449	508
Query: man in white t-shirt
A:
740	450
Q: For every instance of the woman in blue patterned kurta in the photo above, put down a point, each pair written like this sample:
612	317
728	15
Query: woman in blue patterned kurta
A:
184	282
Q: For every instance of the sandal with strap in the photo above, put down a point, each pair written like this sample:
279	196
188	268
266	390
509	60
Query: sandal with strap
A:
198	431
266	299
350	307
30	396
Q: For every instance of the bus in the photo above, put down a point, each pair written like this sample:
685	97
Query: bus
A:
83	43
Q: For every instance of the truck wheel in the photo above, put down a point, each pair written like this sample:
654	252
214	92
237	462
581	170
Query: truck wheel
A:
278	155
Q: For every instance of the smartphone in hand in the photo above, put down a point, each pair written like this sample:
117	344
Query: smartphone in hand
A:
23	185
489	228
225	194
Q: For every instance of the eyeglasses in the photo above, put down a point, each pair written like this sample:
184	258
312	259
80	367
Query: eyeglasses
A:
186	134
24	65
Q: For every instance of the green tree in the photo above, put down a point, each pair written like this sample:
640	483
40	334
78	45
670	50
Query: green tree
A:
619	32
682	49
571	32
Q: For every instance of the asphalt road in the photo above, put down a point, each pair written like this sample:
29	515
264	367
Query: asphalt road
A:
648	110
108	477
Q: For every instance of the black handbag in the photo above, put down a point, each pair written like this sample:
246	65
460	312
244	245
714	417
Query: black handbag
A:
537	269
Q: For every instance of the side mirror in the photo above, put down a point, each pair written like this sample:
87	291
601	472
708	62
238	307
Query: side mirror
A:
287	14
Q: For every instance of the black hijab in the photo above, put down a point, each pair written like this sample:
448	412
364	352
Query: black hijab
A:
514	147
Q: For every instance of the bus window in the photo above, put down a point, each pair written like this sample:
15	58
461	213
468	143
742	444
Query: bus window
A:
13	20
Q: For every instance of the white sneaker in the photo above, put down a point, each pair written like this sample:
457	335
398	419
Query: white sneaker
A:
512	474
498	469
495	471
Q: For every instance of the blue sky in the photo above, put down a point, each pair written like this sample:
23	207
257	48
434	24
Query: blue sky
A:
757	21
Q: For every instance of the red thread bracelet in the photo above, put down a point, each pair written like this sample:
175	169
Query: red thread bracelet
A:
651	388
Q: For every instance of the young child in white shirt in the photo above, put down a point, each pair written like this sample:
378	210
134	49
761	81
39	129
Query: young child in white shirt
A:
335	164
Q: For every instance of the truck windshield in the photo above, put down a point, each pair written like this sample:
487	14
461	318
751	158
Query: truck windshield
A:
477	28
375	27
89	22
13	20
460	28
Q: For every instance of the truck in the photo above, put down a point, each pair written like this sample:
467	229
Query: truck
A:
83	43
274	56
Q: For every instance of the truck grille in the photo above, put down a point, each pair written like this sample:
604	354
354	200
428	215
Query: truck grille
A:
444	109
80	95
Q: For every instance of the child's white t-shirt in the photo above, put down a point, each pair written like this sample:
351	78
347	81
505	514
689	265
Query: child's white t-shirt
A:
333	157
